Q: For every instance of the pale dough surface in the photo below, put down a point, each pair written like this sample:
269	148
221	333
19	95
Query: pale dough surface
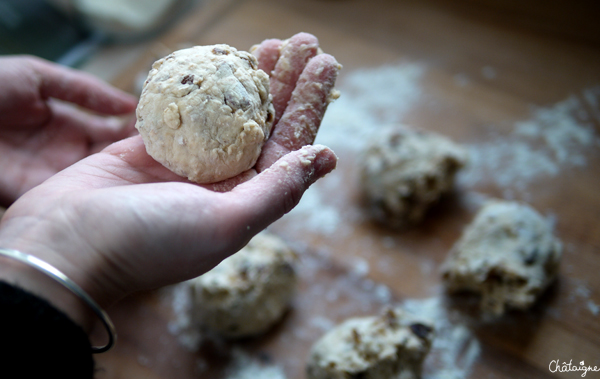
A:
405	171
392	345
205	112
248	292
508	254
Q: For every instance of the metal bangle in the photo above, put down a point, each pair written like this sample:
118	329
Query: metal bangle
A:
61	278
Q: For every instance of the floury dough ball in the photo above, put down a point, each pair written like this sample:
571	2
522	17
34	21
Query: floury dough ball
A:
404	172
392	345
247	293
205	112
508	254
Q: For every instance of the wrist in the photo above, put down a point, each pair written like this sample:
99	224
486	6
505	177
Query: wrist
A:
29	281
40	284
43	239
53	235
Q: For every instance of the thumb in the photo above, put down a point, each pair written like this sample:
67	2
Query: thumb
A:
278	189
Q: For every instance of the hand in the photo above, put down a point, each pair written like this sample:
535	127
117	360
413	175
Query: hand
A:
118	221
40	136
301	84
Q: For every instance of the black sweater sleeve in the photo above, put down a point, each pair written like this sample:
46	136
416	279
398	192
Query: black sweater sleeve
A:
38	340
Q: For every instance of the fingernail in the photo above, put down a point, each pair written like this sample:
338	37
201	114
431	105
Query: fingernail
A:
324	162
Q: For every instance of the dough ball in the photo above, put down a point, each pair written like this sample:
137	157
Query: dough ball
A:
205	112
508	254
404	172
392	345
248	292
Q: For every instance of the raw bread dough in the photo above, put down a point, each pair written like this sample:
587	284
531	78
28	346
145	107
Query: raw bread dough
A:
248	292
392	345
508	254
205	112
404	172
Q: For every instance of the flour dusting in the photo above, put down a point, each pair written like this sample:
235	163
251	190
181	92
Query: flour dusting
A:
554	139
371	99
455	348
244	366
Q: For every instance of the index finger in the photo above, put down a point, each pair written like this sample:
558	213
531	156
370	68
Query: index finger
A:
82	89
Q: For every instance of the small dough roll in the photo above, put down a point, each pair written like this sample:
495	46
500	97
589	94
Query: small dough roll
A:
392	345
248	292
508	254
205	112
404	172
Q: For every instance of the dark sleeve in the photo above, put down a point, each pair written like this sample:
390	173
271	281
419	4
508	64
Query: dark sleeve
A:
38	341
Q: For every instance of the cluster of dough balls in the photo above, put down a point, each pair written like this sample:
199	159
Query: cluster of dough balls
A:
205	112
247	293
392	345
404	172
508	254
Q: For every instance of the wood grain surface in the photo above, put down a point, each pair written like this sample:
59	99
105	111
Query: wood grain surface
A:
474	71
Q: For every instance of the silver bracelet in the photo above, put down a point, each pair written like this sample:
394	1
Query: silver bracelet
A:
61	278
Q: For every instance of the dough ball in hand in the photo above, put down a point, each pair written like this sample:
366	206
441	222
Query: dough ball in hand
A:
392	345
508	254
205	112
247	293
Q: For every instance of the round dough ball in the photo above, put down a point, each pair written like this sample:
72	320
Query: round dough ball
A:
392	345
404	172
248	292
205	112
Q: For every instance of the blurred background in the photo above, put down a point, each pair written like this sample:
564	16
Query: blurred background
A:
71	31
516	82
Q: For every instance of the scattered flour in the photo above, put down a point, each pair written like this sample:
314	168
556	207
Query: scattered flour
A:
316	214
455	348
361	267
322	323
582	292
182	327
244	366
371	98
554	139
593	307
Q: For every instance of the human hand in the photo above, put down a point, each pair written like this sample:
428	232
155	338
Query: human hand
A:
301	85
39	135
118	221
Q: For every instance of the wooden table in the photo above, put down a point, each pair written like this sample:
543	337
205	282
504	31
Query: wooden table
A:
471	70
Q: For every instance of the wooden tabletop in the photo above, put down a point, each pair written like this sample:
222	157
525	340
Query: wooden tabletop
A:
517	84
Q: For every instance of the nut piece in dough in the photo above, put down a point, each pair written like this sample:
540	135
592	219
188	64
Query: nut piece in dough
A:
205	112
248	292
392	345
404	172
508	254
